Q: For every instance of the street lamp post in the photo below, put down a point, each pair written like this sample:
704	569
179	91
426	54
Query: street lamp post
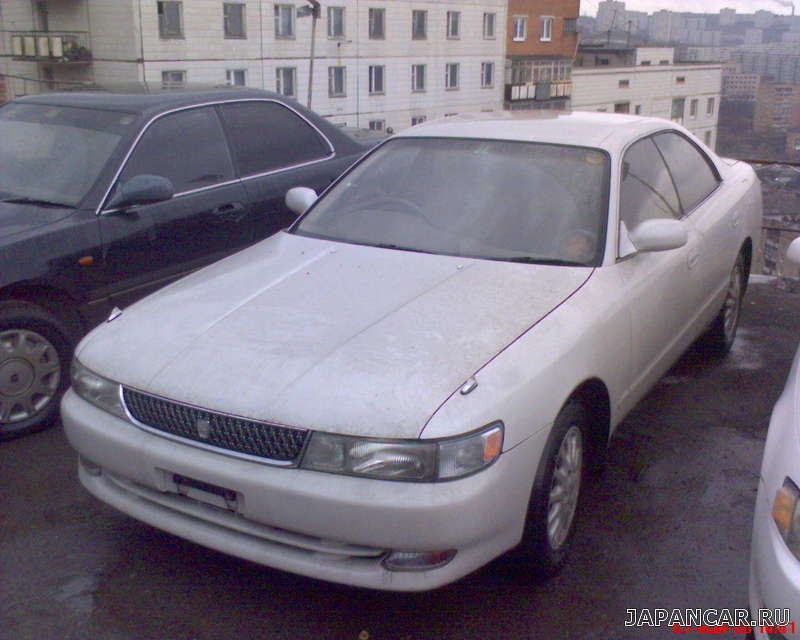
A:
313	10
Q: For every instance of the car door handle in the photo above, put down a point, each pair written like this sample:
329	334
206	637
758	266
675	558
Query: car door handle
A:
693	259
232	211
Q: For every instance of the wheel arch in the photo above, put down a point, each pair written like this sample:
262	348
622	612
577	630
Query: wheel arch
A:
51	299
593	394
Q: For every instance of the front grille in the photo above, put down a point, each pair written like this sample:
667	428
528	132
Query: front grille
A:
226	432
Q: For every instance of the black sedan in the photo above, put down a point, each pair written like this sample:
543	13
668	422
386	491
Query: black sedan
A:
105	197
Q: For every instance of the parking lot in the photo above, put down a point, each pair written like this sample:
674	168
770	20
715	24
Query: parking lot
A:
666	526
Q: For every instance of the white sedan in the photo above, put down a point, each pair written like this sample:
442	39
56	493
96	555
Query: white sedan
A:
775	552
417	376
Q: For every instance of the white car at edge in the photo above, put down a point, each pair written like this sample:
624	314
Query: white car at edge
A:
416	377
775	552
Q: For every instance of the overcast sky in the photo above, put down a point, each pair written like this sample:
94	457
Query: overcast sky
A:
589	7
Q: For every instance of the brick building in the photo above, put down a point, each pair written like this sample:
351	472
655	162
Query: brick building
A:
541	43
777	108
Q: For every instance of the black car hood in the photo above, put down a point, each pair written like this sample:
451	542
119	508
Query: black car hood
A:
16	218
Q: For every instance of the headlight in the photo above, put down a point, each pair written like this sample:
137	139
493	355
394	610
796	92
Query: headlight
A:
410	460
786	513
101	392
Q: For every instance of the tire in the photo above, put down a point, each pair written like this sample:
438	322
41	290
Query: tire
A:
555	497
35	348
722	331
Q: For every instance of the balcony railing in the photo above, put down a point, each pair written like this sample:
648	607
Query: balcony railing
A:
67	47
538	91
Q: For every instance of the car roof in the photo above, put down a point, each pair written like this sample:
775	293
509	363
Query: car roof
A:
145	100
610	132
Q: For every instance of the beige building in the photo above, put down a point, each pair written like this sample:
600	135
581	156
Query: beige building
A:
688	94
777	108
384	63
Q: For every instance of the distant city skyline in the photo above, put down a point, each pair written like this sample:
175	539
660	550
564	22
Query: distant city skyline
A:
589	7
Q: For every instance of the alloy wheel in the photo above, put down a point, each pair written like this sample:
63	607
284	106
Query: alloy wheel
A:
565	487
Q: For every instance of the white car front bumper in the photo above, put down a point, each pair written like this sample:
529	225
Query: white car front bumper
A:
326	526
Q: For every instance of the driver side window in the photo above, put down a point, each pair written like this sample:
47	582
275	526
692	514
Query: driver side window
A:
647	189
187	147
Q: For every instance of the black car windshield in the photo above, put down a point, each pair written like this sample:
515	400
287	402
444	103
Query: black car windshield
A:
492	199
53	153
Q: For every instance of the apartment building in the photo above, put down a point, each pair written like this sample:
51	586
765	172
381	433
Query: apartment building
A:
541	42
380	64
686	94
777	108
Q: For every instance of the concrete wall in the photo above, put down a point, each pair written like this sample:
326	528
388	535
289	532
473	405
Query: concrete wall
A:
653	89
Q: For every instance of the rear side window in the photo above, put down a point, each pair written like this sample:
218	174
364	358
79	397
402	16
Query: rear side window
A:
693	174
266	136
647	190
187	147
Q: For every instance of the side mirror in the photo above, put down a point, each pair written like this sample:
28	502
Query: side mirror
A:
793	252
299	199
659	234
142	189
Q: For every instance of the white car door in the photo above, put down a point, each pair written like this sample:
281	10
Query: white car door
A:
663	288
711	209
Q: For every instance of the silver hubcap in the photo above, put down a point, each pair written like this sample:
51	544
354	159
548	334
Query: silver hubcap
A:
733	302
565	487
30	372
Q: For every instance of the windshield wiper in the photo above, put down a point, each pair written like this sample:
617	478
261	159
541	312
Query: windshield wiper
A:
547	261
43	203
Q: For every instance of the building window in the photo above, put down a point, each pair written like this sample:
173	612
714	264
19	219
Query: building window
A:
646	63
173	79
418	77
284	21
453	24
415	120
236	77
638	110
570	25
680	80
710	106
170	19
377	125
419	25
451	76
547	29
622	107
487	75
520	28
693	108
233	19
285	80
678	107
376	73
377	20
624	84
336	22
663	62
336	82
488	25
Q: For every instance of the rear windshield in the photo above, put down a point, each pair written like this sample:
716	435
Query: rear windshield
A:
492	199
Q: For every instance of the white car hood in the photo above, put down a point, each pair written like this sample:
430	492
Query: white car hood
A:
331	336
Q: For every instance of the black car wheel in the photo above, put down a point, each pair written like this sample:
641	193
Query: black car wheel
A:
553	507
34	361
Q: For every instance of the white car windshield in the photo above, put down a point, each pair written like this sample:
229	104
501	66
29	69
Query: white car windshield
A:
55	153
491	199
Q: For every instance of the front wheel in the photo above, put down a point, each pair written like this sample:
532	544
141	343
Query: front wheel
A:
555	498
722	331
34	360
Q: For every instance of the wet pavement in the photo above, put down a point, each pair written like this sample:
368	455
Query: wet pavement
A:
666	526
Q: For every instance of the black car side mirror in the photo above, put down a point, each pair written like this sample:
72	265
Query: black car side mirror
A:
142	189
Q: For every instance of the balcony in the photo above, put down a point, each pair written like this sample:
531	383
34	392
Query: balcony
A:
538	91
58	47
